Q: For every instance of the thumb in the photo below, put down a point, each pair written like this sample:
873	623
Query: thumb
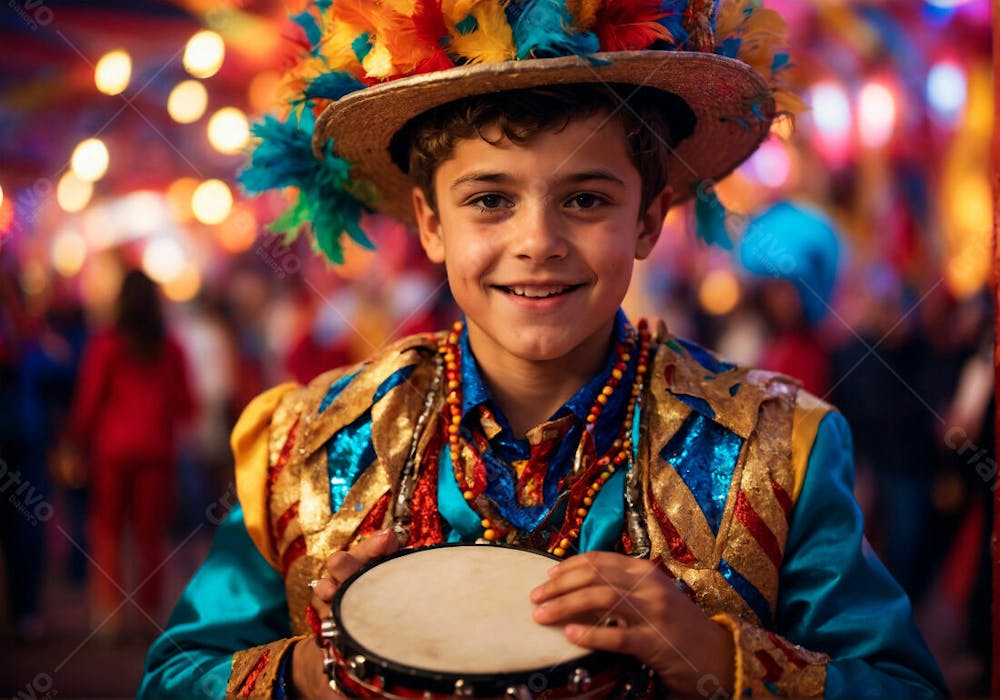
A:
374	546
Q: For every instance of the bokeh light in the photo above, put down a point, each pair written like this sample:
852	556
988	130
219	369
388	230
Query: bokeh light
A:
771	165
876	114
238	232
185	286
179	196
90	160
69	251
211	202
204	53
719	292
163	259
228	130
113	72
72	193
947	89
831	110
187	102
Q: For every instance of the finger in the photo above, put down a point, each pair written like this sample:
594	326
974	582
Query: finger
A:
592	604
322	607
578	577
374	546
621	640
324	589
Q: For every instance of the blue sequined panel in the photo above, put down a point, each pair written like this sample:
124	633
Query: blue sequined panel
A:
348	454
704	453
392	381
334	391
749	593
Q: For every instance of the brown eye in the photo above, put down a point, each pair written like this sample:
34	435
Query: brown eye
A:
586	201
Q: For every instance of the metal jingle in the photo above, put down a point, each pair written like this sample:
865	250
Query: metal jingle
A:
518	692
328	630
462	689
359	666
580	681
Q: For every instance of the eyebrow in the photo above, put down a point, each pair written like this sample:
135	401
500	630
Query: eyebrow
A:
483	176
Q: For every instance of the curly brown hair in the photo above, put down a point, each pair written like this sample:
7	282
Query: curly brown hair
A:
654	121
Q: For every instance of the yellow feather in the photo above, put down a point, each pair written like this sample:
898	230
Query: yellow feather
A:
403	7
584	12
378	63
336	47
492	41
457	10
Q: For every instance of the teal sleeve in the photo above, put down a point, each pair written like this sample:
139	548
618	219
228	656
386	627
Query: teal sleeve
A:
836	597
234	602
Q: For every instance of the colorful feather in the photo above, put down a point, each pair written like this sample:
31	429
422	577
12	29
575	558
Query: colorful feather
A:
491	41
544	28
326	201
630	25
584	12
345	45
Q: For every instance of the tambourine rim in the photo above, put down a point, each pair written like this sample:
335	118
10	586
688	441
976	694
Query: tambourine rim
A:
444	681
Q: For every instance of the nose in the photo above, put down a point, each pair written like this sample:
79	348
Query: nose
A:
539	234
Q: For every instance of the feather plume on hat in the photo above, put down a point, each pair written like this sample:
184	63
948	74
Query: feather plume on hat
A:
350	48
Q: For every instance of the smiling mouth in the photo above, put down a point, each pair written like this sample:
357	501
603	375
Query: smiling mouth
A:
539	292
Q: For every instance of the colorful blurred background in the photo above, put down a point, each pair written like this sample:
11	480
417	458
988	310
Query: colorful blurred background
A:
861	254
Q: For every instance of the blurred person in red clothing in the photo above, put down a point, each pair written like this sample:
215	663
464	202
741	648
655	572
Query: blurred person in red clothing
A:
132	395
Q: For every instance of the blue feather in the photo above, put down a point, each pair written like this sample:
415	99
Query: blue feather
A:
333	86
673	20
467	25
710	217
284	158
361	46
544	29
309	26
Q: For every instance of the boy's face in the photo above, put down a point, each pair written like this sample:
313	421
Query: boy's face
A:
539	239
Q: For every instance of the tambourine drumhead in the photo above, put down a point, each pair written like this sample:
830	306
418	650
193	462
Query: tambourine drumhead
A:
457	610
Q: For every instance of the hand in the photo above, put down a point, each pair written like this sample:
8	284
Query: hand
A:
307	658
655	622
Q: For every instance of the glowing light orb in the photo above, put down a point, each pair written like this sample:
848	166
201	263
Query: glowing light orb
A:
228	130
90	160
163	260
72	193
113	72
204	53
69	251
719	292
947	90
212	201
185	286
187	102
876	114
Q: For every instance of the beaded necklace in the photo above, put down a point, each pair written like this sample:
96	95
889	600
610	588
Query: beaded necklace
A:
581	495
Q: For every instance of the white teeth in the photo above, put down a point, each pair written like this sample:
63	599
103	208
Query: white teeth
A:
537	292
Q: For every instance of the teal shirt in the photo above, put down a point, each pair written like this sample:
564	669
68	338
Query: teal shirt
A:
835	597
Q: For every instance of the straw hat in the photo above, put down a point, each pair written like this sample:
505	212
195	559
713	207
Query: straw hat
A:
732	104
374	65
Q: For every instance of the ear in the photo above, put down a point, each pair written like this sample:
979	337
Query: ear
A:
651	223
429	227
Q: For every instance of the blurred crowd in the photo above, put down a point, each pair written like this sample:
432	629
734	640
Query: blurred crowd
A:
114	421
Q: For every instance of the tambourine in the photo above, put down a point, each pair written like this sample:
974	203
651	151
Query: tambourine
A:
455	620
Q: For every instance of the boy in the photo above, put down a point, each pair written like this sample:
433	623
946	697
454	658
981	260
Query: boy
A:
728	534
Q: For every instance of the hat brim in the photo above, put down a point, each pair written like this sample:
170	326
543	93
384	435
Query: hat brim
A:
732	103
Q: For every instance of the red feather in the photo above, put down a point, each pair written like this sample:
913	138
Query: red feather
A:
630	25
429	22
